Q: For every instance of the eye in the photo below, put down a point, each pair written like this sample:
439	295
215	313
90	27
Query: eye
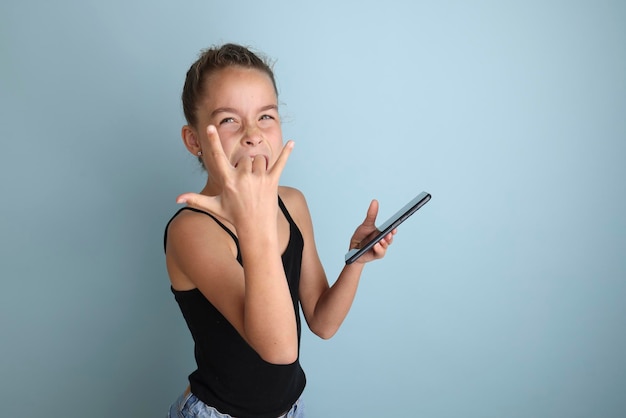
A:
266	117
227	120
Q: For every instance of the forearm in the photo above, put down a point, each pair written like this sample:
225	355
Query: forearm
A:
335	303
269	317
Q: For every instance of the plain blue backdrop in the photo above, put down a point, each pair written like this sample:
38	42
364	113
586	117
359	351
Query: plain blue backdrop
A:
503	297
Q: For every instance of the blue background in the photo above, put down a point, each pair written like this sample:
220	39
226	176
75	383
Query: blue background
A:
502	297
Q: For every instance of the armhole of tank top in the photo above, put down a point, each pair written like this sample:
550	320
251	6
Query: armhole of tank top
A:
224	227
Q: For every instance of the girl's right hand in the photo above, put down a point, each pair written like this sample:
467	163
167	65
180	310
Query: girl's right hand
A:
248	188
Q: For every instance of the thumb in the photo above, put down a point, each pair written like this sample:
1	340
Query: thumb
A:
197	200
372	213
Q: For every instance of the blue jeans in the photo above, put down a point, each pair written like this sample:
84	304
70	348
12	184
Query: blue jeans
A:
189	406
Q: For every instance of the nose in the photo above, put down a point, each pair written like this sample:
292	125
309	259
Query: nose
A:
252	136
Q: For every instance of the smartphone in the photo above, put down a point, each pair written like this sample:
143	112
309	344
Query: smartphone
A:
391	223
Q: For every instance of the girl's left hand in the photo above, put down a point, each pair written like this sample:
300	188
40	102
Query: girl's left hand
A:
366	230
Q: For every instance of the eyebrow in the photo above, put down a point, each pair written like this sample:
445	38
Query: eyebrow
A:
232	110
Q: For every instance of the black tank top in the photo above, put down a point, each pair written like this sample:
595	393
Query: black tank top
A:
230	375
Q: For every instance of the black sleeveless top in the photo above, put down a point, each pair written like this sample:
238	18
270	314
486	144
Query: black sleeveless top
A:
230	375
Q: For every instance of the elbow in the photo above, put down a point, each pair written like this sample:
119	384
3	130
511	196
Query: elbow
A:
274	346
280	355
279	352
325	333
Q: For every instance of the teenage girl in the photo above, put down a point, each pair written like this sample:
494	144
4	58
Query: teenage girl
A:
241	255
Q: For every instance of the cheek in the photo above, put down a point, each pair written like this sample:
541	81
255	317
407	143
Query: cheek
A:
276	134
228	129
227	142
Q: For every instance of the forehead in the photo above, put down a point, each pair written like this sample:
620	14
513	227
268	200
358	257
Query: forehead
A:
238	83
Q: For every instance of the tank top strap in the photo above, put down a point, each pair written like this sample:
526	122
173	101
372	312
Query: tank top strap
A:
224	227
283	208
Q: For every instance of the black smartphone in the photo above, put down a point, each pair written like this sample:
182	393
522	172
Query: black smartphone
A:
391	223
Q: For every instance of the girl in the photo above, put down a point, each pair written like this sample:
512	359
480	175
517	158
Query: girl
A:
241	255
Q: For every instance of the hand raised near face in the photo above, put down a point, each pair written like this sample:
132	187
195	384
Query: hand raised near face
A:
248	187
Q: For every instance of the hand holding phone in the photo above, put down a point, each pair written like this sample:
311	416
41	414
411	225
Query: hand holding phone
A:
391	223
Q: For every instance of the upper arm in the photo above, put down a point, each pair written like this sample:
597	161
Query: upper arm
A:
313	281
201	254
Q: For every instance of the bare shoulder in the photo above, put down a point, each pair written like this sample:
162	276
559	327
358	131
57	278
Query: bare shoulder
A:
194	239
288	192
298	209
294	201
189	224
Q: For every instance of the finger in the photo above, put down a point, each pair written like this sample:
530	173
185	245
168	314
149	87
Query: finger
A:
388	240
243	163
379	250
216	161
247	164
281	161
259	163
372	213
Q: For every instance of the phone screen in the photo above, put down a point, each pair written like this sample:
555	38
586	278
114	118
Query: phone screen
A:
391	223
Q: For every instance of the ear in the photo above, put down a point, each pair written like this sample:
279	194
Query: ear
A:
191	139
